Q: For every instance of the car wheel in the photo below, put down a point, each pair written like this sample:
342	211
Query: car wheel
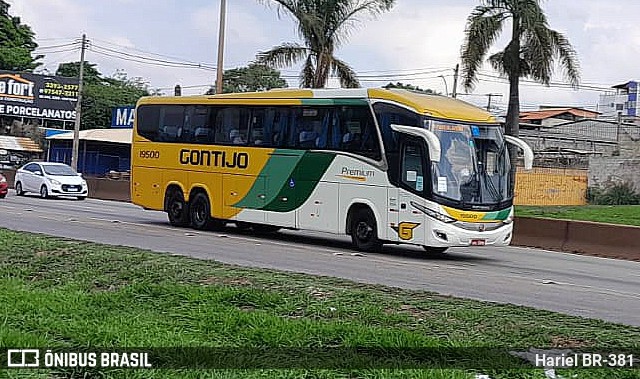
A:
19	190
177	209
44	192
434	250
364	231
200	212
3	196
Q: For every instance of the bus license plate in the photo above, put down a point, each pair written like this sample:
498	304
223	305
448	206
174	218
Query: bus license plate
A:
478	242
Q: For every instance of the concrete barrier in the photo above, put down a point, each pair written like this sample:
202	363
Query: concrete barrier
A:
584	237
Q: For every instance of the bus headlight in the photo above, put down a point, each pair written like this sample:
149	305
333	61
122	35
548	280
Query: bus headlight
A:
434	214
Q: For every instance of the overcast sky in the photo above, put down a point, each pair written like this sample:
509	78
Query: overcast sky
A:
416	43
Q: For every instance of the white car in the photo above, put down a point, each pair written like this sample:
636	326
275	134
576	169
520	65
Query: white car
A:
50	179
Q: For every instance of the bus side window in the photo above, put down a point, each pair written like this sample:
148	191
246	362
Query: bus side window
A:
412	168
232	126
260	117
354	131
171	123
148	121
388	114
198	125
279	127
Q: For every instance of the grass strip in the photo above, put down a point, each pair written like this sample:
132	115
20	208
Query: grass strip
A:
64	293
612	214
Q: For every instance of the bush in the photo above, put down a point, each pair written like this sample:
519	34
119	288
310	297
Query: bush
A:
617	194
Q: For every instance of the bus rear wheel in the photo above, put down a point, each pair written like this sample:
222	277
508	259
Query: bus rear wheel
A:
200	212
364	231
434	250
177	209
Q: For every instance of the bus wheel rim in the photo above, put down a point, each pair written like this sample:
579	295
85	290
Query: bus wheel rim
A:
363	231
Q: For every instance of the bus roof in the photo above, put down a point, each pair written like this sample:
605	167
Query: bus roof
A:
432	105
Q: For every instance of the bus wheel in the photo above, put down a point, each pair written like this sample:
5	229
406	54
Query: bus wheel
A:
434	250
200	212
177	209
364	233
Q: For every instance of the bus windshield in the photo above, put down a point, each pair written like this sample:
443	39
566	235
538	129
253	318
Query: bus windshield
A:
474	165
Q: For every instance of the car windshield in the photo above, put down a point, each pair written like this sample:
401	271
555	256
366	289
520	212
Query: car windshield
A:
474	165
59	170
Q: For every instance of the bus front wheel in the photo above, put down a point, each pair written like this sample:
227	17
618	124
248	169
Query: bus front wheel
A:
200	212
177	209
364	231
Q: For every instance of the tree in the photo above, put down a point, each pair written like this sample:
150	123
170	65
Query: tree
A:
410	87
101	94
253	78
17	43
323	26
531	51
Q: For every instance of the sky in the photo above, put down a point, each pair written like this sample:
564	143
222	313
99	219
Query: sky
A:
418	42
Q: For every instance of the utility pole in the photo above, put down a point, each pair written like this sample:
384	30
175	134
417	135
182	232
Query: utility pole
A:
455	81
220	67
76	129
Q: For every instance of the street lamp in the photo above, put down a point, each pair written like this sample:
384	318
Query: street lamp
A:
446	90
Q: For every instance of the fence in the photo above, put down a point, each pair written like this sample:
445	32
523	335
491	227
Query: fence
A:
551	186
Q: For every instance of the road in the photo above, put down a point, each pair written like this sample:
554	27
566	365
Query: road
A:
585	286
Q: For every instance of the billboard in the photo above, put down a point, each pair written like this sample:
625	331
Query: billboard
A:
122	117
38	96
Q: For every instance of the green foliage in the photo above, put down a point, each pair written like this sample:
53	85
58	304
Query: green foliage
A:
618	194
17	43
531	52
101	94
254	78
323	26
410	87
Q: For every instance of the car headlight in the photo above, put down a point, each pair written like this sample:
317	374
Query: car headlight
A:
84	183
55	182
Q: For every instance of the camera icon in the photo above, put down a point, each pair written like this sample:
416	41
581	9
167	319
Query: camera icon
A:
23	358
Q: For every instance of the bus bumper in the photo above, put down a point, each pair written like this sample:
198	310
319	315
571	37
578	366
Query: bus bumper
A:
449	235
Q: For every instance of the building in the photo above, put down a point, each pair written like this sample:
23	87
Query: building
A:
101	150
621	101
555	116
14	151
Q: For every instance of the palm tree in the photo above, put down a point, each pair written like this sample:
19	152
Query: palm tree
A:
531	52
323	26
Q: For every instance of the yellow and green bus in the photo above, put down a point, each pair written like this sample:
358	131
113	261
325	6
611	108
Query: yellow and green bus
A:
383	166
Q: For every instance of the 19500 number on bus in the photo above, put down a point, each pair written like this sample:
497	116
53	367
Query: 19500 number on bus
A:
149	154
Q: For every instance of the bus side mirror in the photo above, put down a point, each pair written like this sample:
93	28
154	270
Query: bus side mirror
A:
528	153
430	137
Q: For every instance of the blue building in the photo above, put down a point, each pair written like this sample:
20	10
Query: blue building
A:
100	150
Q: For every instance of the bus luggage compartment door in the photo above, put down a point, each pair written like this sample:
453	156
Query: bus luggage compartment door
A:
244	197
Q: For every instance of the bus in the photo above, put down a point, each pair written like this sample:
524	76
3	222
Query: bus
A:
382	166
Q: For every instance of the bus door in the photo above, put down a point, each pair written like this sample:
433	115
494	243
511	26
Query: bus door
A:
408	219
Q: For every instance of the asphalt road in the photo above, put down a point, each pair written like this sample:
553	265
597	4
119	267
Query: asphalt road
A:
579	285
